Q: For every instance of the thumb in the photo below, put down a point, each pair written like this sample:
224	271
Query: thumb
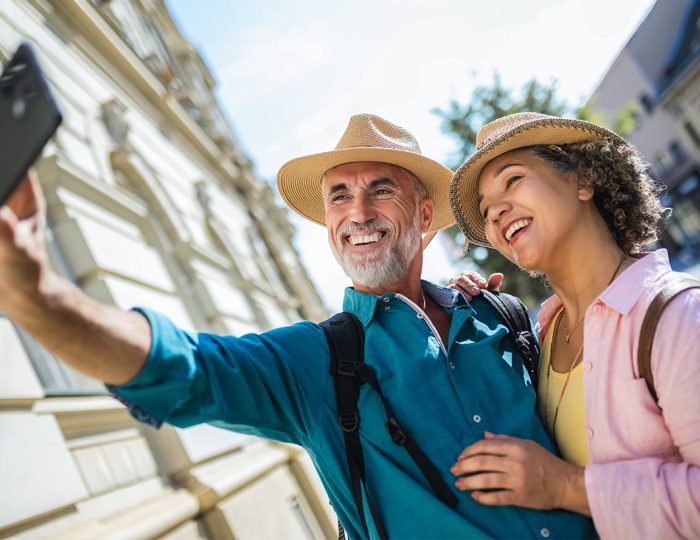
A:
494	282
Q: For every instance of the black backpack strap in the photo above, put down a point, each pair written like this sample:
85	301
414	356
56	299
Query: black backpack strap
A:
514	315
346	344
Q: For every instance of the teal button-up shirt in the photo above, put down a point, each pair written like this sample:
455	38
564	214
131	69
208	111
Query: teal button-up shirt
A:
277	385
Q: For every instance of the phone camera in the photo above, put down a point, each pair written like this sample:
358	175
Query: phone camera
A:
18	108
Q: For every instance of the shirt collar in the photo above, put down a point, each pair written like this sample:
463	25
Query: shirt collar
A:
630	285
624	292
364	305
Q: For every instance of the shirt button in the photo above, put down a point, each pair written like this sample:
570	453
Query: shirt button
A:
597	308
452	365
589	433
387	299
588	366
419	315
544	532
387	307
476	418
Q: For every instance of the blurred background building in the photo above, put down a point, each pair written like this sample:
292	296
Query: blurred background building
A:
659	71
150	202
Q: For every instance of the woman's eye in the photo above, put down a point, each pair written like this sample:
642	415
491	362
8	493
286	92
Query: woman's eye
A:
338	198
512	180
485	213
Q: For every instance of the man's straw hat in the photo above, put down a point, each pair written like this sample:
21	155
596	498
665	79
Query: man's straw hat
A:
501	136
367	138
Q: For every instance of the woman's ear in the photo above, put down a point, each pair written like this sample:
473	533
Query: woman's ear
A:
585	191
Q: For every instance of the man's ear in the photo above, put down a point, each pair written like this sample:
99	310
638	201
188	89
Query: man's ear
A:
425	209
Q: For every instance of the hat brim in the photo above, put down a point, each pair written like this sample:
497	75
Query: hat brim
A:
464	188
299	180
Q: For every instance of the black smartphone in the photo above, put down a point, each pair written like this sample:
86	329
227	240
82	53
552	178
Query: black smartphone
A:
28	117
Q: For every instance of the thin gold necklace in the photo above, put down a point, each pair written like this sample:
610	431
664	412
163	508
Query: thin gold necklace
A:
566	381
573	362
567	334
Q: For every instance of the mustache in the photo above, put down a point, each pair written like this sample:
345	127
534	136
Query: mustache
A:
368	226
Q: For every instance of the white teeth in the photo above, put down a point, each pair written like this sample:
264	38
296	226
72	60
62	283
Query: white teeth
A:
365	239
516	227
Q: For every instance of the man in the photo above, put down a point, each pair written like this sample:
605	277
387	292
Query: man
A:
443	364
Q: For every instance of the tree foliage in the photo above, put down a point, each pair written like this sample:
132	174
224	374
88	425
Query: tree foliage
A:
463	120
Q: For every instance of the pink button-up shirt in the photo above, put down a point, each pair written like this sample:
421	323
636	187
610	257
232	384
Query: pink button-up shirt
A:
644	476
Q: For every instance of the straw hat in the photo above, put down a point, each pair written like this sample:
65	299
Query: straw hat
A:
501	136
367	138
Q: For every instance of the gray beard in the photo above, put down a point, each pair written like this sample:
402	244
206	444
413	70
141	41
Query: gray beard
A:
384	266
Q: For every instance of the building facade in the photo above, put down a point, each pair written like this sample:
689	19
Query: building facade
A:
150	202
658	71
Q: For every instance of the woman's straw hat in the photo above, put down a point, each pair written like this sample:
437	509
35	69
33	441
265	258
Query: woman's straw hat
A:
501	136
367	138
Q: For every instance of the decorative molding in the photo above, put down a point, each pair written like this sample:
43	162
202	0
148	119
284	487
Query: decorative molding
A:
112	115
115	51
217	479
86	415
56	172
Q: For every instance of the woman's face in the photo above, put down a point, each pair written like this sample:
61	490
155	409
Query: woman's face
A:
530	209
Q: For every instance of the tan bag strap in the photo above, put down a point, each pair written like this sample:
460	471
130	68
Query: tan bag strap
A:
651	320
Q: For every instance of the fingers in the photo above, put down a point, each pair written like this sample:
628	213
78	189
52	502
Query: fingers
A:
484	481
463	285
468	283
504	497
480	464
497	445
494	282
28	199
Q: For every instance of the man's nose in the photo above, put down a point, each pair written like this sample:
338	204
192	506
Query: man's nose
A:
362	210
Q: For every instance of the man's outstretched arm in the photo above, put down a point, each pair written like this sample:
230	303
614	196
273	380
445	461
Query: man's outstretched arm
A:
100	341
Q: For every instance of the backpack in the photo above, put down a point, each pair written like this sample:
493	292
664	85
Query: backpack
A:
651	320
346	344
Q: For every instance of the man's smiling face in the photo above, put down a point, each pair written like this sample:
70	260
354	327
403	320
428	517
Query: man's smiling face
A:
374	220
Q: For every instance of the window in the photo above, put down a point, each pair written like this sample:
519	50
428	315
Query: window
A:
677	152
692	133
647	103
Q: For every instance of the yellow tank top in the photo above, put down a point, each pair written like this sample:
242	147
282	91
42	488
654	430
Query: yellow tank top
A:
571	420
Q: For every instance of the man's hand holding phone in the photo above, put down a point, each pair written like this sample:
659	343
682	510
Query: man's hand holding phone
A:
23	256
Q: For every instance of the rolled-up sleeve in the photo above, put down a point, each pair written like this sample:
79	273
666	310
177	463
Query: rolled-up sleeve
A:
266	384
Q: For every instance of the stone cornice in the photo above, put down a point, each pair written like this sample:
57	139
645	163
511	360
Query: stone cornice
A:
102	37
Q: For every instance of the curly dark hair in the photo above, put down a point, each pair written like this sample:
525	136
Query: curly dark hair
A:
624	193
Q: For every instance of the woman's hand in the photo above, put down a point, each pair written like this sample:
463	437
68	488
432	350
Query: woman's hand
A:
502	470
470	283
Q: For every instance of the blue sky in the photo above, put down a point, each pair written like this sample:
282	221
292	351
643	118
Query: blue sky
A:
291	73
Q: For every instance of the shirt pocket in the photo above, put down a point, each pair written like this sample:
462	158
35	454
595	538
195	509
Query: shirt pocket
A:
638	422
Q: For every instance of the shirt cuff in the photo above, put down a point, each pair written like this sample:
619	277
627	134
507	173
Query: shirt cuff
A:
165	380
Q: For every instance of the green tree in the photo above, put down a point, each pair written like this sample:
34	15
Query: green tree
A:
463	121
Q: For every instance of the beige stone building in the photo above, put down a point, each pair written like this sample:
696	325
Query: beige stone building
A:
658	71
151	202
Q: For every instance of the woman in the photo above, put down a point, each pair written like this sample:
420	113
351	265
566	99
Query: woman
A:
571	200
